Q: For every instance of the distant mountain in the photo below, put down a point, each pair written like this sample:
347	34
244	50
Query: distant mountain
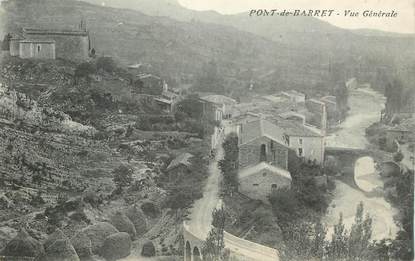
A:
307	35
298	53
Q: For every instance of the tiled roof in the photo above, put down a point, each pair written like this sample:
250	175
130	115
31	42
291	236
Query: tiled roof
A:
261	128
219	99
41	31
407	125
293	128
37	41
246	172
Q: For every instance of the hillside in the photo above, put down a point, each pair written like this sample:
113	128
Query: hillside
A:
305	54
305	33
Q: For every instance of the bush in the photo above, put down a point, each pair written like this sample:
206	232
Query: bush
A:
123	224
60	250
106	64
116	246
123	176
150	209
98	233
57	235
148	249
284	204
23	245
82	245
137	217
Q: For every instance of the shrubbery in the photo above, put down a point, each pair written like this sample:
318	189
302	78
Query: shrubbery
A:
229	164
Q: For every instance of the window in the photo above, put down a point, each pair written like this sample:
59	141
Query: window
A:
300	141
274	187
38	48
263	155
264	174
300	152
255	185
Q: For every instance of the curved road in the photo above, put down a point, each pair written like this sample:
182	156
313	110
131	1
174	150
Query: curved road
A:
201	219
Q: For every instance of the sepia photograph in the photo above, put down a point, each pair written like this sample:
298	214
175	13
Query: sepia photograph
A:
207	130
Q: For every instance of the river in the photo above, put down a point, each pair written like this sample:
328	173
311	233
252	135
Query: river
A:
365	107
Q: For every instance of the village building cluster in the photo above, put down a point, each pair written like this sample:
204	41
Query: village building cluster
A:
271	130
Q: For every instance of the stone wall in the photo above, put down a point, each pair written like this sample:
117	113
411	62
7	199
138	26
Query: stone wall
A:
37	50
250	153
318	109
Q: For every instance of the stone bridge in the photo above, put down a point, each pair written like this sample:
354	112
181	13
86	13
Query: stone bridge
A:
241	249
345	160
192	245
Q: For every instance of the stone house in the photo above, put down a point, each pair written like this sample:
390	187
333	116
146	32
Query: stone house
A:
210	110
400	134
331	108
261	141
263	159
71	45
305	141
148	84
37	49
37	43
319	112
294	96
223	102
259	181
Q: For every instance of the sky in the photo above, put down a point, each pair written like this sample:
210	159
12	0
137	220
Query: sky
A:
404	23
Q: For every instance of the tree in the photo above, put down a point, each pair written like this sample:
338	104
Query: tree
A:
214	246
337	249
122	176
360	234
106	64
229	164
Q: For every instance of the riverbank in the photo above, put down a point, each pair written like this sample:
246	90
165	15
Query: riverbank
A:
365	107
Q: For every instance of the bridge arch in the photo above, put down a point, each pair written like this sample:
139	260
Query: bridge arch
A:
196	254
187	252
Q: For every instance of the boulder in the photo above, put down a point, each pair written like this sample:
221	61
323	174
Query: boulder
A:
82	245
123	224
148	249
57	235
137	217
23	245
117	246
98	233
60	250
